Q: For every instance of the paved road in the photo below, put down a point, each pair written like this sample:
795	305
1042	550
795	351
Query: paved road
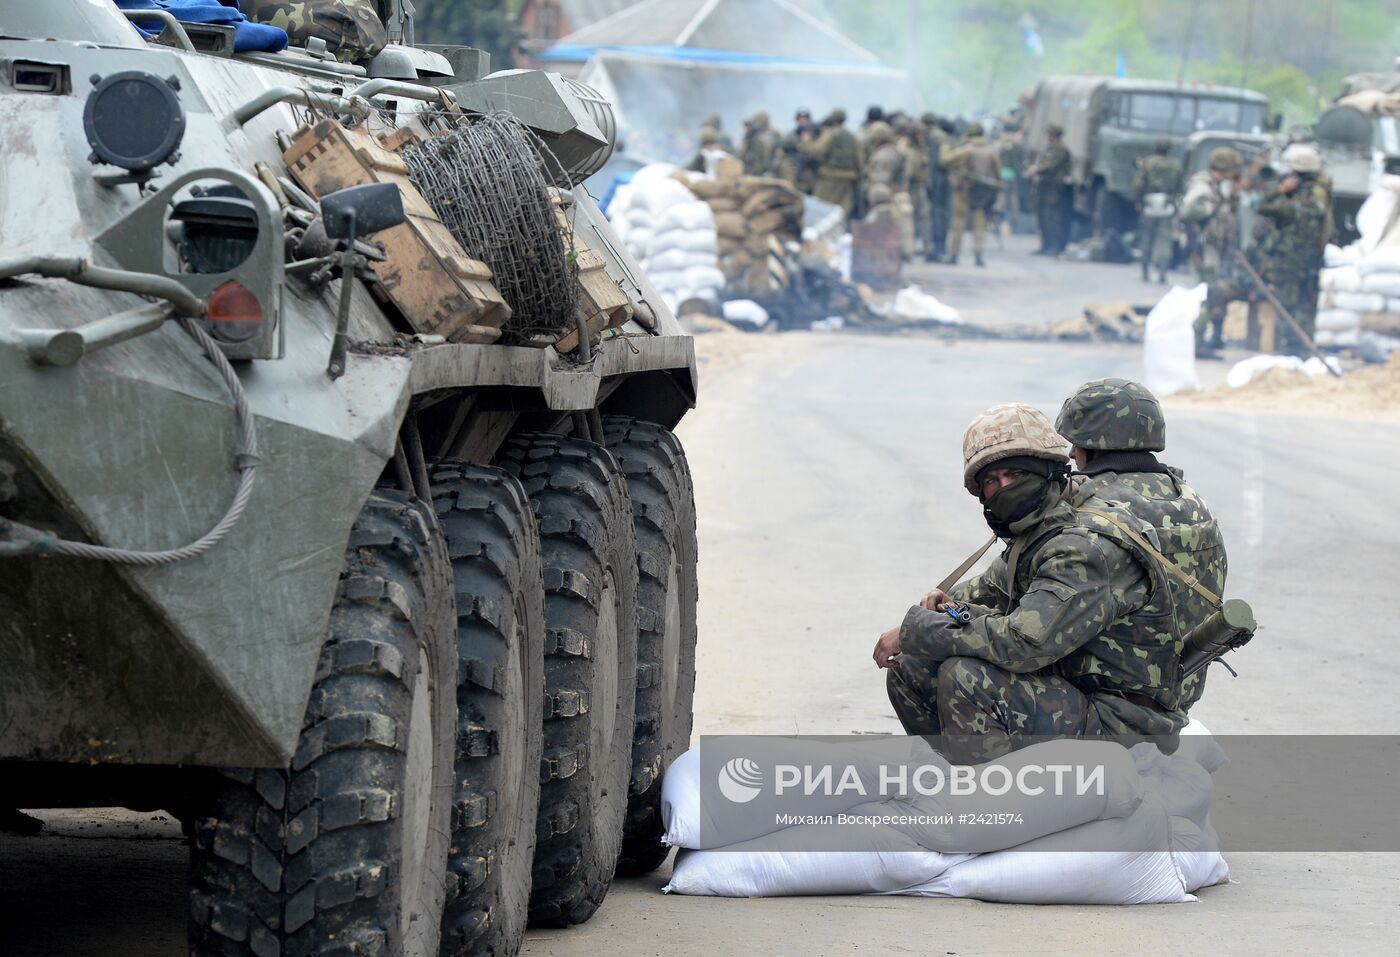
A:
830	496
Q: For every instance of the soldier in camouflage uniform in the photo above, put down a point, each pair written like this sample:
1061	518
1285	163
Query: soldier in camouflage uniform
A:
1156	186
975	171
839	160
916	166
722	141
1210	210
1294	226
939	197
351	28
1051	173
761	155
1072	631
1114	426
794	165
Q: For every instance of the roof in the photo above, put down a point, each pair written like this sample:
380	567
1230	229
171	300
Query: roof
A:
786	29
1085	84
585	13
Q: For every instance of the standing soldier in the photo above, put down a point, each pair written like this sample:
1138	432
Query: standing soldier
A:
795	166
1157	186
722	140
1012	150
975	171
1210	210
916	165
1295	224
839	161
938	195
1051	173
884	166
761	143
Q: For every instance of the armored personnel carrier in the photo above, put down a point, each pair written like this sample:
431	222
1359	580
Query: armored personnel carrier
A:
340	510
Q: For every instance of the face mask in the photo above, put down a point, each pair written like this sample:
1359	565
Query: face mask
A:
1014	502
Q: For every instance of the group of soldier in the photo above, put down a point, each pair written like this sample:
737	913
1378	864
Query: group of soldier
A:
1292	225
932	177
1109	560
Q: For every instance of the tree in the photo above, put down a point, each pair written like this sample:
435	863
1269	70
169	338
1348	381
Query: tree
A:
485	24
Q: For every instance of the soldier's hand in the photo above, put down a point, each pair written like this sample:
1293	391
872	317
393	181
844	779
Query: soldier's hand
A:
886	649
936	600
1289	184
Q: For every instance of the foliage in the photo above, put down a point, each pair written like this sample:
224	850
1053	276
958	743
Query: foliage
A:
486	24
967	56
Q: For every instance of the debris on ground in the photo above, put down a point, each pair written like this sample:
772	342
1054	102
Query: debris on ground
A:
1368	392
911	302
1245	371
1118	321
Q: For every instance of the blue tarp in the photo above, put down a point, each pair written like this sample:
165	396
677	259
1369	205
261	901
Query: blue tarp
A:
573	53
248	37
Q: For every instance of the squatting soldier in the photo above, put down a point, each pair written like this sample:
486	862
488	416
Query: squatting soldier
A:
939	198
916	166
1114	426
351	28
761	144
1294	226
1157	186
1210	210
1071	631
1051	173
975	171
838	158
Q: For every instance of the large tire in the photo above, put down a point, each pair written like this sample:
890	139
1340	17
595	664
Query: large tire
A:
590	574
663	509
356	831
494	543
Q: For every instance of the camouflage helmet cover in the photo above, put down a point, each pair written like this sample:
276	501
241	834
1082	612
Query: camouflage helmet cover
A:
1054	129
975	129
1303	158
1224	159
1113	415
880	132
1004	431
838	115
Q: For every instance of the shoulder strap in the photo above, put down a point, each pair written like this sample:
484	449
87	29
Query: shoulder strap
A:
961	570
1137	539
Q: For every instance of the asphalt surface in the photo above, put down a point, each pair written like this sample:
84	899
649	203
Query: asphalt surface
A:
830	497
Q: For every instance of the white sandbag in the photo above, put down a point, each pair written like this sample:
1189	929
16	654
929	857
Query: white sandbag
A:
667	260
1054	870
913	303
665	280
745	312
698	241
1360	301
1334	320
1169	343
1340	279
1385	283
704	277
1245	370
1340	339
707	260
1393	305
620	203
878	860
692	216
1372	217
1340	256
1194	850
1382	260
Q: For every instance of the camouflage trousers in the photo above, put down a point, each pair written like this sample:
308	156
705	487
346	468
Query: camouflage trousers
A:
984	711
964	211
1299	297
1221	290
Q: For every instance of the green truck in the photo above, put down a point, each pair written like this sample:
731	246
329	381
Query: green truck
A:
373	565
1112	123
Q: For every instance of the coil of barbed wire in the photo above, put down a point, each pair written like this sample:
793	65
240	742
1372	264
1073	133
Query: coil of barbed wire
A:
486	182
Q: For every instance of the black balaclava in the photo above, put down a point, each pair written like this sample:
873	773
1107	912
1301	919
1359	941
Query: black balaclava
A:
1023	496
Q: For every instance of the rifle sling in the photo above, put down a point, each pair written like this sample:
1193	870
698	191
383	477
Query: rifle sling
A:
961	570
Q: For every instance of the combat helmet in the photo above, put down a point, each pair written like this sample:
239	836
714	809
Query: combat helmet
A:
1225	159
974	129
880	132
1303	158
1007	431
1113	415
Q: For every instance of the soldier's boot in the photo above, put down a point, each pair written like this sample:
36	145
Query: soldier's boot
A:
1217	337
979	260
950	260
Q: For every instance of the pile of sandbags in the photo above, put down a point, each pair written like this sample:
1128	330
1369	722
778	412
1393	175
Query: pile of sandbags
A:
1359	285
754	217
670	233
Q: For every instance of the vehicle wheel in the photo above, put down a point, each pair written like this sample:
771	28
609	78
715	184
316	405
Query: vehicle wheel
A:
663	510
356	831
590	576
494	543
1100	215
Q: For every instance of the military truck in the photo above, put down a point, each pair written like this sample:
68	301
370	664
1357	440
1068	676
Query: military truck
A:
1357	139
1112	123
340	509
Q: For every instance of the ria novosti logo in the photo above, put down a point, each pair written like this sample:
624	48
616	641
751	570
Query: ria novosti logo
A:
740	780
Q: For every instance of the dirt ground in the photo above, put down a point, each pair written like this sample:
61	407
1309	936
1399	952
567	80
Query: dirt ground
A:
1370	393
